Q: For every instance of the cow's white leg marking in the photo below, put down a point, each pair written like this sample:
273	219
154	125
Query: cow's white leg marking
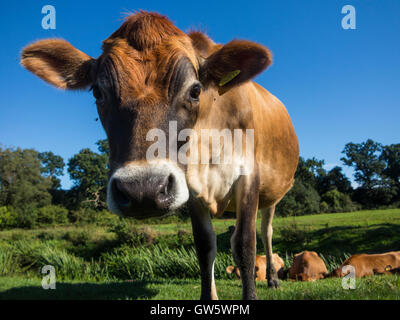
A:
267	231
213	287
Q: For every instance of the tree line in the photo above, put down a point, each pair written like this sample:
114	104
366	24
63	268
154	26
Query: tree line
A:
376	172
30	186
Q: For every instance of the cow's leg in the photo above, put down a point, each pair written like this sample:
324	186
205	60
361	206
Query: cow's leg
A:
243	240
266	231
206	247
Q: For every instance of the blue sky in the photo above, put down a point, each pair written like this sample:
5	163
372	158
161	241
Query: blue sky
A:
338	85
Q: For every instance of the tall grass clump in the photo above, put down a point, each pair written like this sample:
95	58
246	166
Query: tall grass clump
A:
159	262
333	262
8	262
31	256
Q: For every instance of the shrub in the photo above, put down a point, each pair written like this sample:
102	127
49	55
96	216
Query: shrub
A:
52	215
338	202
45	236
77	237
324	207
132	235
302	199
27	217
87	215
375	197
184	237
176	217
8	218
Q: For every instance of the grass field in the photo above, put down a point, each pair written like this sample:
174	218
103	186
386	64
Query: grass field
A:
103	262
374	288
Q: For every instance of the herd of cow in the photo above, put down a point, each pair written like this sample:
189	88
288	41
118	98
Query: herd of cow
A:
308	266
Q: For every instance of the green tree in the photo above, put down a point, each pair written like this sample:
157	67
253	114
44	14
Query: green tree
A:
103	147
376	170
337	201
302	199
308	170
365	159
89	171
52	167
391	173
334	179
21	181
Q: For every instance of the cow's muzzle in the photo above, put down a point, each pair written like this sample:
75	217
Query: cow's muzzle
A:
144	190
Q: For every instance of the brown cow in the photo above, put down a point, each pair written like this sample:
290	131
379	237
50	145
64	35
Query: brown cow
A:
369	264
307	266
261	267
151	82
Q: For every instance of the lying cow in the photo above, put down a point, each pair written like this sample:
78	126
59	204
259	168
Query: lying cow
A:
261	267
162	95
307	266
369	264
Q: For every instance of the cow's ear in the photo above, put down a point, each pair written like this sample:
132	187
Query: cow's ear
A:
203	45
230	269
59	63
235	63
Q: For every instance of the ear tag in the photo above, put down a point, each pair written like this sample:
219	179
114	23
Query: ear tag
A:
228	77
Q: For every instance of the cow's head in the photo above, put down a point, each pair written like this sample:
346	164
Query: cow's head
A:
150	75
336	273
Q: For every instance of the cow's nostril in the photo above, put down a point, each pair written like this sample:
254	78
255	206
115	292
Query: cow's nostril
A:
163	196
120	194
170	185
166	186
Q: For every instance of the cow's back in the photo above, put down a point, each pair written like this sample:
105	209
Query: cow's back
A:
370	264
307	266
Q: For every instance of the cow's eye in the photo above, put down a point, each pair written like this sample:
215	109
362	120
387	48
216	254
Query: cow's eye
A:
97	94
195	91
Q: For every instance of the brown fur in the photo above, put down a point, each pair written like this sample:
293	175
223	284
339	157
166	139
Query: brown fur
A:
260	267
203	45
307	266
142	51
146	30
59	63
234	56
369	264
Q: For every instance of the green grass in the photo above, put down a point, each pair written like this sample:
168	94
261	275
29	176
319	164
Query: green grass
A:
160	262
317	221
373	288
